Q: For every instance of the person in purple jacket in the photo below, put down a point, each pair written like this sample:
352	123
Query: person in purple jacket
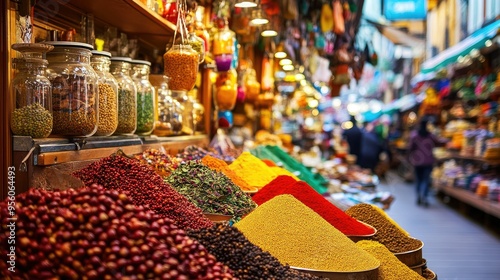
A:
421	145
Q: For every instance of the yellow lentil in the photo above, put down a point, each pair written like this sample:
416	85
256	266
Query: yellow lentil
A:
282	171
391	268
388	233
253	170
299	237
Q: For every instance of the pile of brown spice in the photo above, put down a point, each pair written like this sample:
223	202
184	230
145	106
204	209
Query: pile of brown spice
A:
388	233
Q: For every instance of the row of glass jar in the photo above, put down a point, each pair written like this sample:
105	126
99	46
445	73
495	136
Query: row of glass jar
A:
79	92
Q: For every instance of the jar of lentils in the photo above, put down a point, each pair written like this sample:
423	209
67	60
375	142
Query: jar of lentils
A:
32	92
74	89
108	94
145	97
127	95
181	66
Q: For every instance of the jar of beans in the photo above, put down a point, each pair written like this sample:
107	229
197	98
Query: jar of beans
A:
127	95
145	97
108	94
74	89
32	92
181	66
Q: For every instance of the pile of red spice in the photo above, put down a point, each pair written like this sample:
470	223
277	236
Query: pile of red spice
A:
145	188
284	184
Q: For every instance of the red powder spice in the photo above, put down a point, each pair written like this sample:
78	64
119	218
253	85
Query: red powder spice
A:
284	184
268	162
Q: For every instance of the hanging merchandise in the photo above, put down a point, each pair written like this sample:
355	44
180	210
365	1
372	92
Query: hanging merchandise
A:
32	111
338	18
223	44
252	86
289	9
108	94
181	60
145	97
326	18
127	95
74	89
267	73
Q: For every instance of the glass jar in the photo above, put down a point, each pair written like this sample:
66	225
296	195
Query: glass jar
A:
198	44
145	97
108	94
74	89
225	95
186	109
181	66
252	86
127	95
198	112
32	92
223	40
169	112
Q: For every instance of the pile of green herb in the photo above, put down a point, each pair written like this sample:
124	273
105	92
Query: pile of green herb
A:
210	190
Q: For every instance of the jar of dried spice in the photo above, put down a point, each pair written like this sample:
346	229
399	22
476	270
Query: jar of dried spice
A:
74	89
108	94
145	97
181	66
32	90
127	95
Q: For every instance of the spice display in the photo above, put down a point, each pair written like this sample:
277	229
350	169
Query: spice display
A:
210	190
387	232
74	89
108	94
127	95
247	261
282	171
252	170
304	193
285	160
94	233
391	268
161	162
221	166
108	111
298	236
145	188
193	152
127	113
31	120
181	66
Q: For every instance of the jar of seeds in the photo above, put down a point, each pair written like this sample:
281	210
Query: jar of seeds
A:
145	97
181	66
74	89
108	94
127	95
32	90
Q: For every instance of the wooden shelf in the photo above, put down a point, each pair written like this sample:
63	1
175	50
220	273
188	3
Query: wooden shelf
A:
129	16
492	162
466	196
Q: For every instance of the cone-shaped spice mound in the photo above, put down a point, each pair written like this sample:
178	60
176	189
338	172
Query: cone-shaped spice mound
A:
299	237
391	268
306	194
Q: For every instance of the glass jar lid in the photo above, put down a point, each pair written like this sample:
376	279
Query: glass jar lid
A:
102	53
69	44
143	62
121	58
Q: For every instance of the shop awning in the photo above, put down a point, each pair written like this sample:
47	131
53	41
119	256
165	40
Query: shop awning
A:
397	36
475	41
